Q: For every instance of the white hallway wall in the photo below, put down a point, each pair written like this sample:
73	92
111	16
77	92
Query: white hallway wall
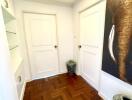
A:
64	28
8	89
109	85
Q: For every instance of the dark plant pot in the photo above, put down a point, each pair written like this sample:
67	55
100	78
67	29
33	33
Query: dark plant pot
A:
71	69
121	97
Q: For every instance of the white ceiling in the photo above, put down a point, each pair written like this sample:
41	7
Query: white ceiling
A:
64	2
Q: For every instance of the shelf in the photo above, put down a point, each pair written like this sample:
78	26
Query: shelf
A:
10	32
8	16
14	47
17	64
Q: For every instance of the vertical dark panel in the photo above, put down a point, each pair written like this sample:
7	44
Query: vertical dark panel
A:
119	16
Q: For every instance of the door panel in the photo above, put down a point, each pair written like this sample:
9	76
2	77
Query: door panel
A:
91	40
90	67
90	32
43	30
43	58
41	39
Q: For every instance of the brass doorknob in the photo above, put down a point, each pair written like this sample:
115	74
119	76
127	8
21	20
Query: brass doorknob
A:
79	46
56	46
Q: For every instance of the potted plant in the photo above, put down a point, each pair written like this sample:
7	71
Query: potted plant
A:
122	97
71	67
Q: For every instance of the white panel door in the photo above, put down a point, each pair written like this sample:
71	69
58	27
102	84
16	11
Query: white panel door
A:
42	44
91	39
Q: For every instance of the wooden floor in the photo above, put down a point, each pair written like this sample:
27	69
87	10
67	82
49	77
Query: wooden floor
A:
60	87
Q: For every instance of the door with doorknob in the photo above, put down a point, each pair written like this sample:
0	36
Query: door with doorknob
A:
91	40
42	44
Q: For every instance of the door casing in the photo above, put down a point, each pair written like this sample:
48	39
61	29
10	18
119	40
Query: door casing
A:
29	63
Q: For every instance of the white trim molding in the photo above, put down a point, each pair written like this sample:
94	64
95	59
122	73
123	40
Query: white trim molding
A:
23	91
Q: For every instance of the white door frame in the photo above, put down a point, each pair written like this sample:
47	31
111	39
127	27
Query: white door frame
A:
57	38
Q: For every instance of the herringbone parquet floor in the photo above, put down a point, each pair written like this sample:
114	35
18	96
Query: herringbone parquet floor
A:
60	87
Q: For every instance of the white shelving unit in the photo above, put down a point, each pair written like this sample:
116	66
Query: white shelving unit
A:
7	14
12	37
13	44
14	48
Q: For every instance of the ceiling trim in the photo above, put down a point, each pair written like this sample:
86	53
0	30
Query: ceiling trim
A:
54	2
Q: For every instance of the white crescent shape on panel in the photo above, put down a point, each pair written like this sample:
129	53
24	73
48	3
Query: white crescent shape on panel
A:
110	42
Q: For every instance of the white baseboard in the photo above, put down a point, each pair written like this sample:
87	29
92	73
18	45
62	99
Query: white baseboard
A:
23	90
90	81
102	95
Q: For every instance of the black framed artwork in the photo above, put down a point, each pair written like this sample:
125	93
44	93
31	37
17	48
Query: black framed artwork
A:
117	49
